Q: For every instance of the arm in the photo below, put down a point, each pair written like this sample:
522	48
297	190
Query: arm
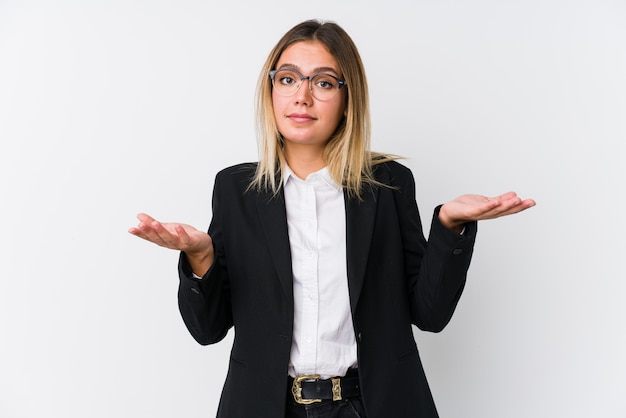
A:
442	274
197	245
436	271
204	303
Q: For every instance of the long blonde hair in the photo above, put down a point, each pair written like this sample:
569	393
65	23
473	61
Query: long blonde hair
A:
347	153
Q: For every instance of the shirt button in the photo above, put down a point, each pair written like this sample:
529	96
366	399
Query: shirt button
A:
457	251
309	340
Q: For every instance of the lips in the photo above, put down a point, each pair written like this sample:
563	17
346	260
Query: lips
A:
301	117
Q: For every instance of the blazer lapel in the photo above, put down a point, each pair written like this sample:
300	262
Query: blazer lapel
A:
359	228
273	217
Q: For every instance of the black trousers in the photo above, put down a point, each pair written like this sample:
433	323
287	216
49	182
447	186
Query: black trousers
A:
346	408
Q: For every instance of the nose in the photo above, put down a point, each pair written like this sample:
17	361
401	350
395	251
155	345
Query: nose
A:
304	94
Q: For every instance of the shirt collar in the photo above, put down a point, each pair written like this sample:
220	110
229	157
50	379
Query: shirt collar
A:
324	174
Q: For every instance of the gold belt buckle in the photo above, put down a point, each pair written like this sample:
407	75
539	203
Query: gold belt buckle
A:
336	388
296	388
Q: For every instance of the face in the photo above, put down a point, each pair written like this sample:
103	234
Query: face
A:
301	119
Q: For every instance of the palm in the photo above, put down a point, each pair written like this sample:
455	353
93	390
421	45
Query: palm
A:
471	207
176	236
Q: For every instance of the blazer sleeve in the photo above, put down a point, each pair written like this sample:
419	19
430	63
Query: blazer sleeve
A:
205	304
436	269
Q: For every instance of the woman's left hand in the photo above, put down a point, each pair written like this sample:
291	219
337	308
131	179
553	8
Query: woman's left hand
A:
471	207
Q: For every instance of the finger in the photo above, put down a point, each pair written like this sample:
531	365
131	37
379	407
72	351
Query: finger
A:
488	207
143	217
507	200
135	231
495	208
183	236
492	203
147	235
517	201
163	233
529	203
510	202
520	206
506	196
145	225
147	231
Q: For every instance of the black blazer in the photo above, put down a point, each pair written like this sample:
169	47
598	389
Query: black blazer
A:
395	279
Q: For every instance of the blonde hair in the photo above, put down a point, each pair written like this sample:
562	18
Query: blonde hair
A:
347	153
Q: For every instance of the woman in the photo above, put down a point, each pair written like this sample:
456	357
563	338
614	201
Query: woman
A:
315	254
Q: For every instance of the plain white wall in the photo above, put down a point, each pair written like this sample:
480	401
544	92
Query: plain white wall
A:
109	108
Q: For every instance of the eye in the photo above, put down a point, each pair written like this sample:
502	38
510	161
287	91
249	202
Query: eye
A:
287	78
325	82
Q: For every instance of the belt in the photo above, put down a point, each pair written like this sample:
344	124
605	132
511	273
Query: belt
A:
309	388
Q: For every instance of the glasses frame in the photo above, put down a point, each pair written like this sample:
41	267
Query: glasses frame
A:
341	83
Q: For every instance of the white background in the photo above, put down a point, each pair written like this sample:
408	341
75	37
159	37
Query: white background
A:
109	108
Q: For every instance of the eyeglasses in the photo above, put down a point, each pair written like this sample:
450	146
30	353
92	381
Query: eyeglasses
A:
287	82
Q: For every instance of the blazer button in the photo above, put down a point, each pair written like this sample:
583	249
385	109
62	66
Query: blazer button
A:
457	251
359	337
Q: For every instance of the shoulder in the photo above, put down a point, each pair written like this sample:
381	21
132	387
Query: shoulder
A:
235	179
238	173
238	170
392	173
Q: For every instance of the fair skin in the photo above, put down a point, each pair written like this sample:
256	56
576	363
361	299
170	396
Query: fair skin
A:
306	125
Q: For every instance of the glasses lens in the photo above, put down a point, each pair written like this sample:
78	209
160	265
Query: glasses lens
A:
286	82
323	86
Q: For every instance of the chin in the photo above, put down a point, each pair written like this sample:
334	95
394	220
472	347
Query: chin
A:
303	140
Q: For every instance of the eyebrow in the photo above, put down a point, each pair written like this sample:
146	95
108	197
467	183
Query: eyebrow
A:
315	70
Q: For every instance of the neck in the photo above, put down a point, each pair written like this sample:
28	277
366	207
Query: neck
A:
304	160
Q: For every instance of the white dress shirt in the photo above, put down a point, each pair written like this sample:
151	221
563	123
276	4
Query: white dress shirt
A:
323	334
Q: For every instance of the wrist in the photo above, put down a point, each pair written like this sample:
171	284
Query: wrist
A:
450	223
199	256
200	261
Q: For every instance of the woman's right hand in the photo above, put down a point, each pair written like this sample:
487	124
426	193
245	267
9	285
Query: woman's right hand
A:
196	244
